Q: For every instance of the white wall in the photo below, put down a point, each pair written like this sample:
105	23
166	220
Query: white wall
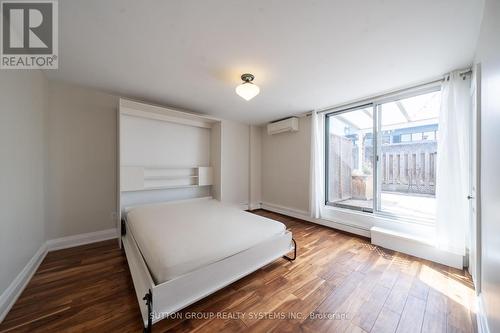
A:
488	54
23	116
255	166
152	142
235	163
82	160
285	167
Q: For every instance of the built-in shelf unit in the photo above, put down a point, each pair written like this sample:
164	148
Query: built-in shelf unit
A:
166	154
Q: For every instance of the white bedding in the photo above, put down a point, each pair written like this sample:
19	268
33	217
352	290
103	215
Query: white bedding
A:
176	238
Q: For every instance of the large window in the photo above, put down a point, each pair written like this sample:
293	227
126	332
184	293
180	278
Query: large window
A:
381	157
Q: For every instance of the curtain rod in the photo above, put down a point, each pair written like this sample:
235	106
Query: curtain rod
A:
463	72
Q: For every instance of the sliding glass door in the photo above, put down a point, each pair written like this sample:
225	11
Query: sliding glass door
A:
381	157
350	159
407	150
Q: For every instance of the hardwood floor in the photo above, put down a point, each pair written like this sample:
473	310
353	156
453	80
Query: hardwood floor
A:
339	283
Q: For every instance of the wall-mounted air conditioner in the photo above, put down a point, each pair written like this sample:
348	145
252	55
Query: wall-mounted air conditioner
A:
285	125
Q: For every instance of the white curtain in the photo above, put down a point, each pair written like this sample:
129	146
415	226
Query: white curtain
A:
452	175
317	166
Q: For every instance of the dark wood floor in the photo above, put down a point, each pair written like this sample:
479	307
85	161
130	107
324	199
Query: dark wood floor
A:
339	283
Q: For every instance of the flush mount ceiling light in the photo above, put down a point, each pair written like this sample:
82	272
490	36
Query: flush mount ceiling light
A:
247	89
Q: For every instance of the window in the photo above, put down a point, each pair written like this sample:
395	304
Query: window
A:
398	167
391	164
384	168
405	137
416	137
386	138
432	168
430	136
406	166
422	167
402	133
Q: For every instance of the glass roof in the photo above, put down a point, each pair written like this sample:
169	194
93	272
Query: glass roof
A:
361	119
413	109
391	114
423	106
404	112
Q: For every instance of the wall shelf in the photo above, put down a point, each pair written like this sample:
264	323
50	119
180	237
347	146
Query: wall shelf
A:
140	178
167	177
163	188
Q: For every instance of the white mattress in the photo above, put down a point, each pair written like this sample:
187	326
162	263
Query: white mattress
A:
176	238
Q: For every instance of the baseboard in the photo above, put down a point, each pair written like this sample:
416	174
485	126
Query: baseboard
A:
14	290
81	239
255	205
304	215
300	214
482	320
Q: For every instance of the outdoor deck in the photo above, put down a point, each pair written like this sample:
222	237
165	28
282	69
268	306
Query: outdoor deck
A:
420	207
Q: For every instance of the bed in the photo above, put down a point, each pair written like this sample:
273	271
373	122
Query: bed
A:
179	252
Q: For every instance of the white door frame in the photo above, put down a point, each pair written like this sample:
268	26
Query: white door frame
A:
475	181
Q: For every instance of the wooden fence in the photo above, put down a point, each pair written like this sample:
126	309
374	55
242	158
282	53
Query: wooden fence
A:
405	167
340	165
409	167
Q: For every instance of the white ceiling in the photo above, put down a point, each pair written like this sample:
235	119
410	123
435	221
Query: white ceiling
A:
304	54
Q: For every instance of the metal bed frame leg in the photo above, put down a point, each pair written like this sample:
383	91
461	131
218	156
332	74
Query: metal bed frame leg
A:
294	251
148	297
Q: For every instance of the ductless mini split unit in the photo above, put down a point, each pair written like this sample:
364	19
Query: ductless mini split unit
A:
284	125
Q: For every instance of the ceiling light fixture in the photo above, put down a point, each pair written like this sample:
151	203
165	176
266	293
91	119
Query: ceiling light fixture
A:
247	89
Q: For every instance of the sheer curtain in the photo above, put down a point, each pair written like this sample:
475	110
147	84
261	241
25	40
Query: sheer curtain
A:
452	175
316	166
